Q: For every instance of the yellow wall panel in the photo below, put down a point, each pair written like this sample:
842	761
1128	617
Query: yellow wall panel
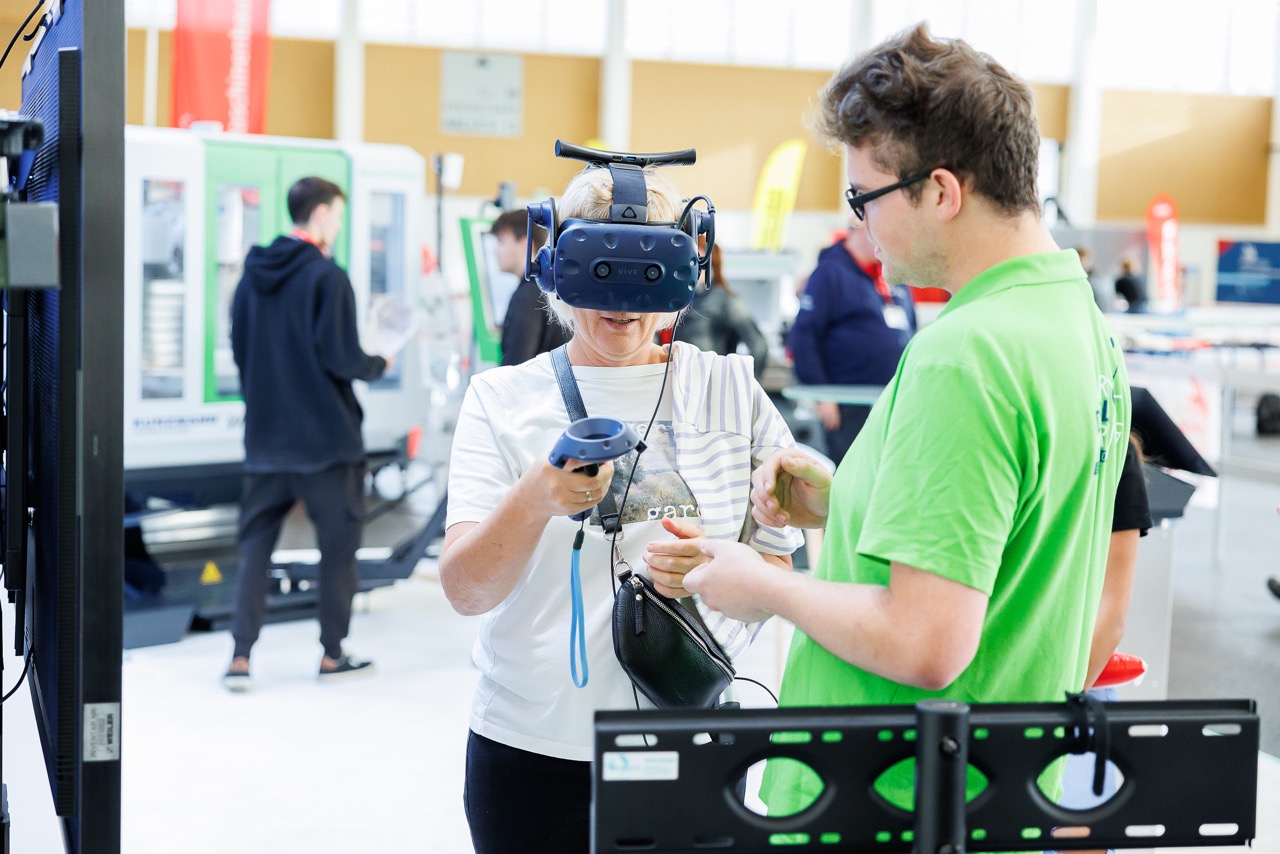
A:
12	16
1051	109
300	89
1209	152
735	116
135	77
561	97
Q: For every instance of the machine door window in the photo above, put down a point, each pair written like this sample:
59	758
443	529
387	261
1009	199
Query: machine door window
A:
163	288
239	228
387	274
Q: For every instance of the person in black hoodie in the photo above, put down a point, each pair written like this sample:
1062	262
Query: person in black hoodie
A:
294	339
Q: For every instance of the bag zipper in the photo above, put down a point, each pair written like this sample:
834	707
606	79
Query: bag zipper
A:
643	594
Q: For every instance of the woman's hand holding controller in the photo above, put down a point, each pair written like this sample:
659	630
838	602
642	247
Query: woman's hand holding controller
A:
551	491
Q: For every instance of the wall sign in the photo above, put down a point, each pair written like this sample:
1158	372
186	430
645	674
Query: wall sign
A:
482	94
1248	271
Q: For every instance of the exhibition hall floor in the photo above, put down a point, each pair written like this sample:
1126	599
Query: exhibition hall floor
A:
375	764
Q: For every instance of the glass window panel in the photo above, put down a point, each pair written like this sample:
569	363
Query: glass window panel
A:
703	35
889	18
387	272
164	286
574	27
946	18
648	29
995	31
515	25
386	243
239	225
387	21
760	32
822	41
822	37
1201	46
306	18
1251	51
1133	46
1047	35
459	28
144	14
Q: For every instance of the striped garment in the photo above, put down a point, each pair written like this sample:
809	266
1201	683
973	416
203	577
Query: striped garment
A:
725	426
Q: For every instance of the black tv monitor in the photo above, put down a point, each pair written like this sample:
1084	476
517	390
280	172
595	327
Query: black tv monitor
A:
1163	443
65	503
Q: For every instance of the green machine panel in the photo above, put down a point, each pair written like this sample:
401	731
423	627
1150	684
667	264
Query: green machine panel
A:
333	166
484	313
245	206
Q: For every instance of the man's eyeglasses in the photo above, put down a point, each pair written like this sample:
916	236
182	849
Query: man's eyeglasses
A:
858	202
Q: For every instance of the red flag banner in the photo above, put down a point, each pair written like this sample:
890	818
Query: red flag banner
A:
1162	240
221	55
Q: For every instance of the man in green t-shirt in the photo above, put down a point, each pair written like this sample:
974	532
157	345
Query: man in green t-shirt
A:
967	528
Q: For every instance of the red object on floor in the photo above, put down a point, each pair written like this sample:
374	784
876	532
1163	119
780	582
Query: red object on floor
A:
413	440
1121	669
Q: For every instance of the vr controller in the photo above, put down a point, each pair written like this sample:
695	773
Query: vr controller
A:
624	263
594	441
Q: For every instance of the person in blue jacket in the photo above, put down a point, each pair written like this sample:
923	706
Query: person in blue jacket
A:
295	341
843	336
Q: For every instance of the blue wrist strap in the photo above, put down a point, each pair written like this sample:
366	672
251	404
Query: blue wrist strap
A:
577	624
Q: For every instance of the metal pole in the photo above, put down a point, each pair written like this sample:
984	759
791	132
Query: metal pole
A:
942	757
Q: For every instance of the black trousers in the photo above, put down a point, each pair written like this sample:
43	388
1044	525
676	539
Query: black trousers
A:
335	504
852	417
519	802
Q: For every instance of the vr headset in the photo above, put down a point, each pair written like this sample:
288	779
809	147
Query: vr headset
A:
625	263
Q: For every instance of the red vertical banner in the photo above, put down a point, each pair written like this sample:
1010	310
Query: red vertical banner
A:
1162	240
221	57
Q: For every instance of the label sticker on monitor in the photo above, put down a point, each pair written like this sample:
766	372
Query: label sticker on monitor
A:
101	732
642	765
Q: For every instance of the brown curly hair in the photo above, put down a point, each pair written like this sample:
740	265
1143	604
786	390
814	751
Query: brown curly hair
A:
921	103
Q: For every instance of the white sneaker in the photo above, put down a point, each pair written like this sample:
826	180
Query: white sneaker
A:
237	681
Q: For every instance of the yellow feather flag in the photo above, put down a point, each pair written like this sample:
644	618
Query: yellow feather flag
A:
776	194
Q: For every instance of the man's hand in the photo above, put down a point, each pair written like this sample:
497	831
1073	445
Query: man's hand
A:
736	580
791	488
828	414
669	560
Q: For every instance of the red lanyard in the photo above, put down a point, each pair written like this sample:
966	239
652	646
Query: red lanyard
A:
873	272
307	237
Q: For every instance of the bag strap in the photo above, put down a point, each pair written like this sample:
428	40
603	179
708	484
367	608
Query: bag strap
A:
568	385
609	516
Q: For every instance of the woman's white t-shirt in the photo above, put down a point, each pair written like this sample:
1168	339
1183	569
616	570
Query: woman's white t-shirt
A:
510	421
526	697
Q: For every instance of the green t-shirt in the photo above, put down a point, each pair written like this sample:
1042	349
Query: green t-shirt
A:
991	459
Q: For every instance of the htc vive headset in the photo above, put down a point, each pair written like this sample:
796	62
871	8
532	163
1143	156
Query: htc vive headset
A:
625	263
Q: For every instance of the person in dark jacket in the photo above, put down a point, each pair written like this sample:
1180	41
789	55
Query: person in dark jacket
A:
295	342
841	335
527	329
718	320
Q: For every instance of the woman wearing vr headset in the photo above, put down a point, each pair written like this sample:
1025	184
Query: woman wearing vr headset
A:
706	425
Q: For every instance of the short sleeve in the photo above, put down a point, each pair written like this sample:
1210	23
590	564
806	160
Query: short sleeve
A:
480	472
1132	509
948	480
769	434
